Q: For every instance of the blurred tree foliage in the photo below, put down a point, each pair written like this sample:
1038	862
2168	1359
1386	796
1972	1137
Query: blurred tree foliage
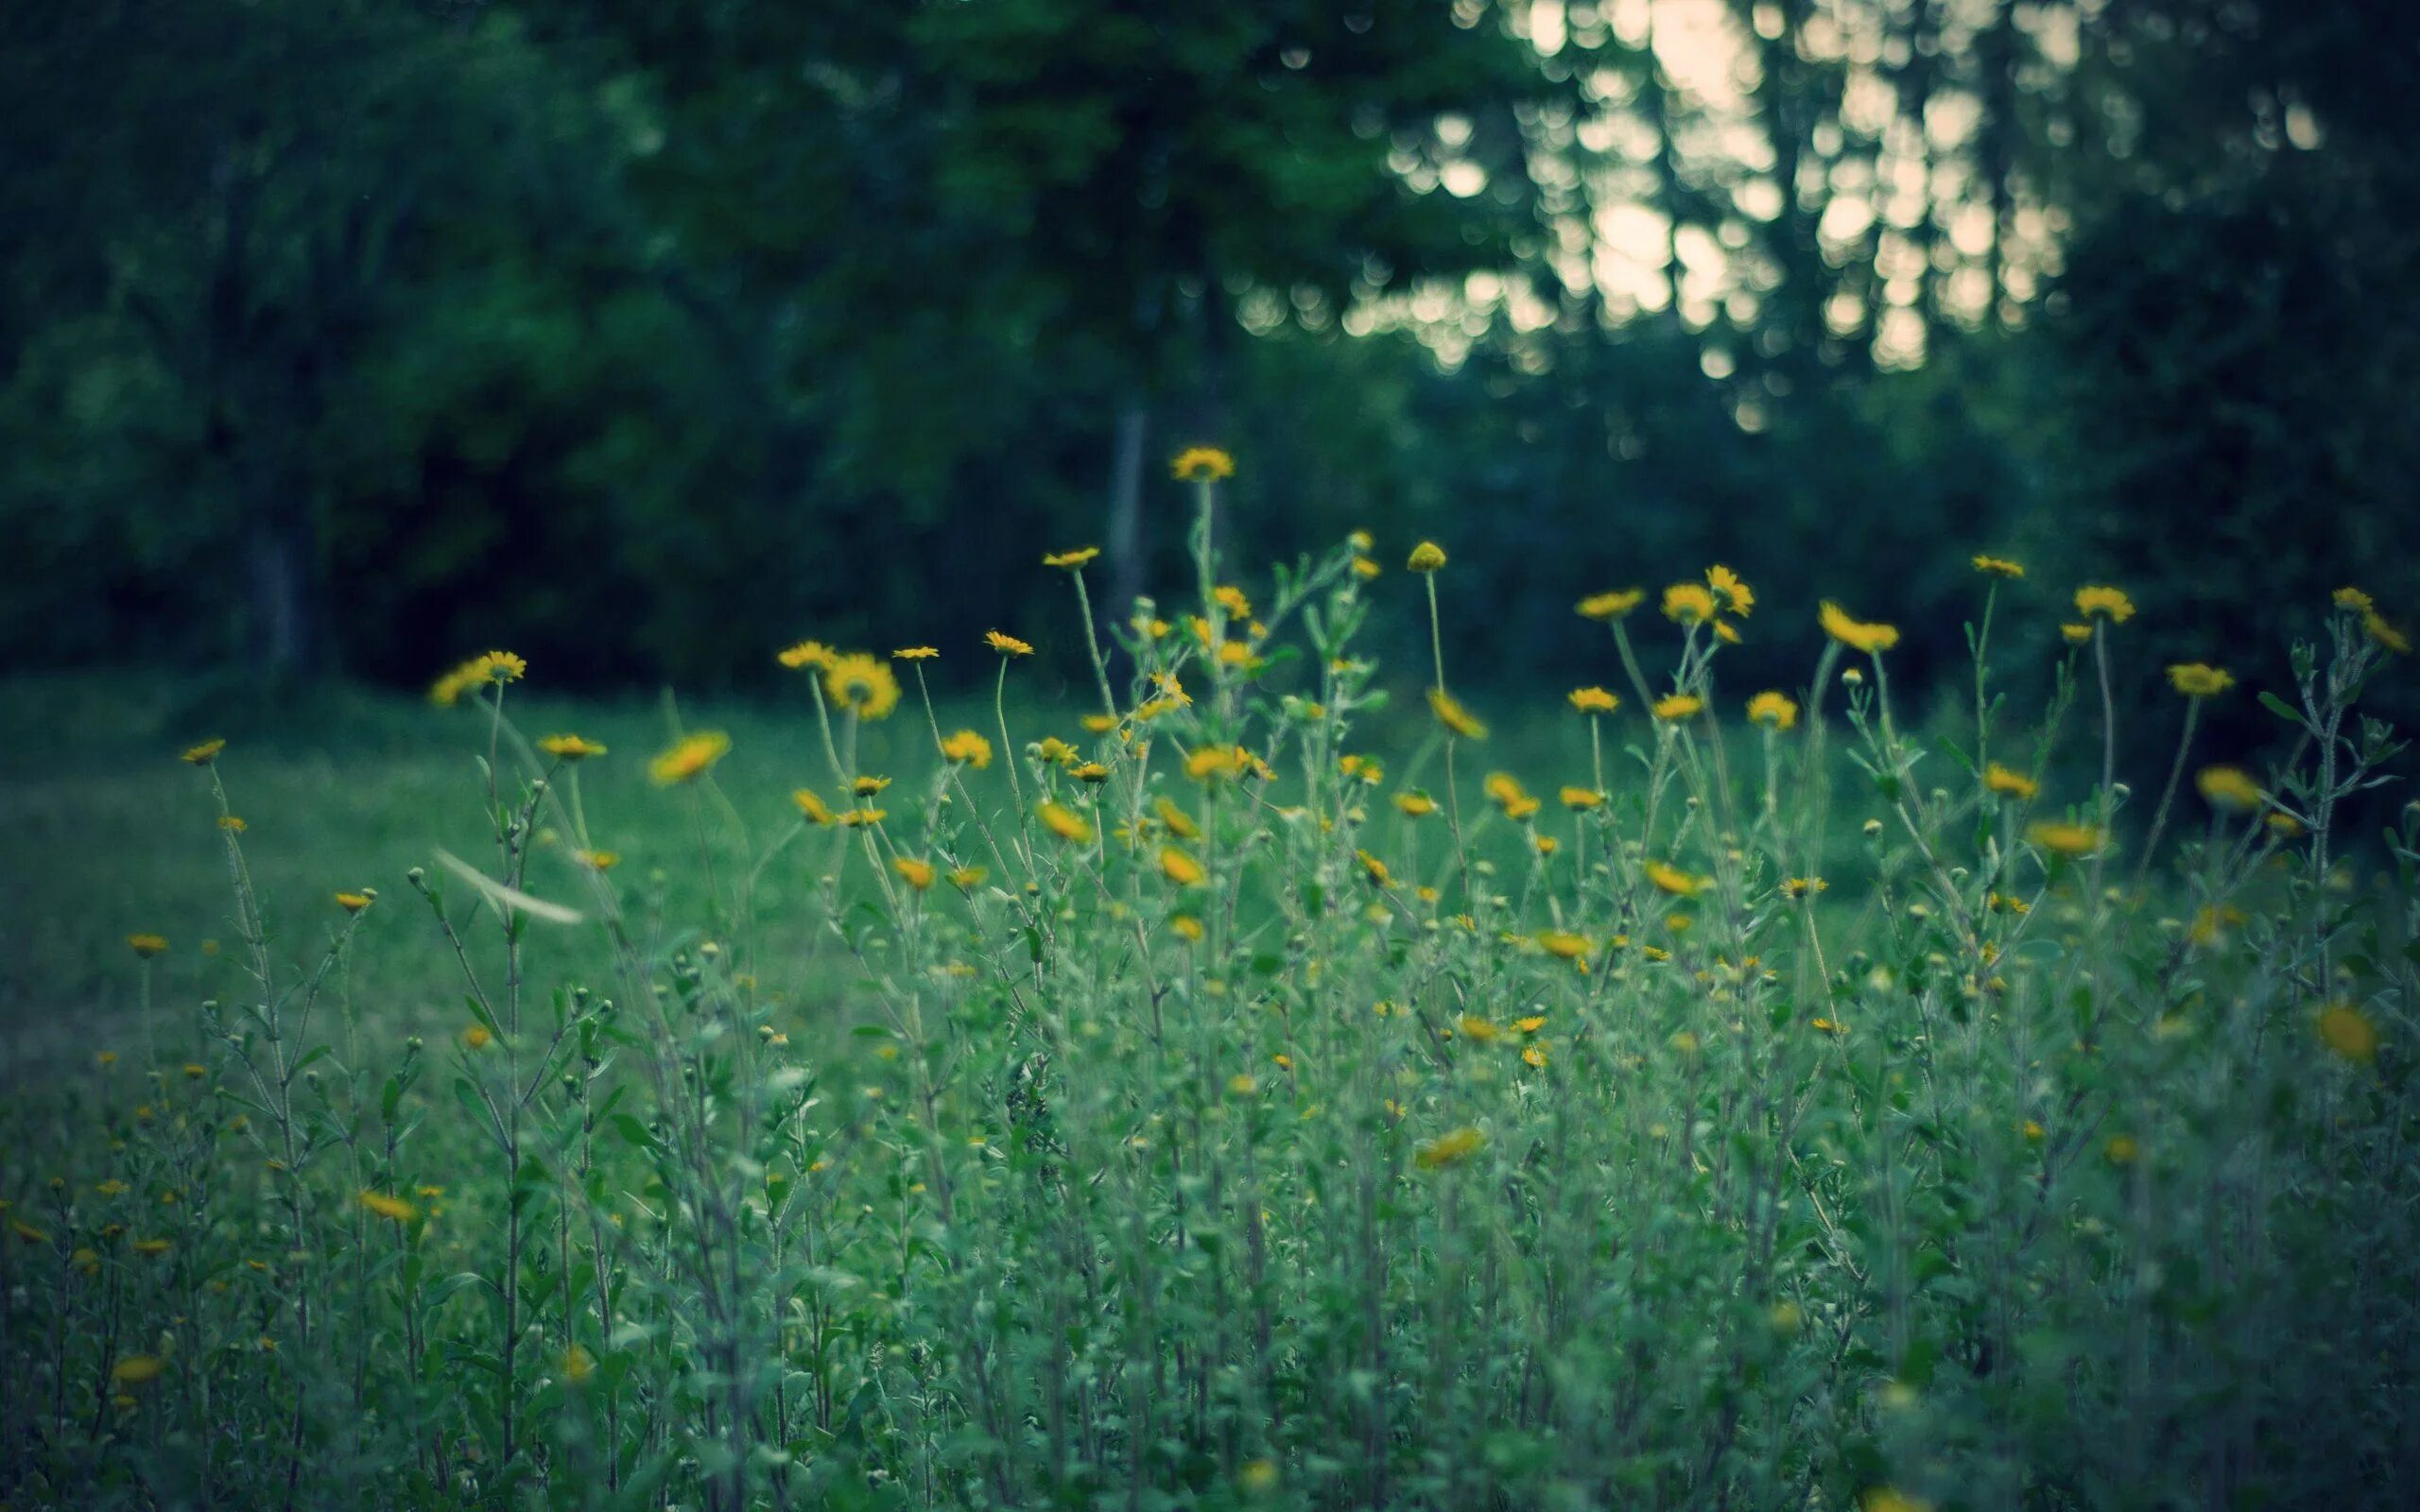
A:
354	335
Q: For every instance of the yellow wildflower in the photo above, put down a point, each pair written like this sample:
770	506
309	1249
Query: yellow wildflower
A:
1006	645
860	819
204	754
806	654
1187	927
2385	634
1450	713
1090	772
689	757
915	653
2348	1033
1736	595
1203	464
1179	822
1773	709
476	1037
1579	799
969	878
1071	559
1055	752
1689	604
1510	795
146	946
2075	634
967	748
2121	1150
1181	868
1232	600
917	874
1804	886
2008	782
811	806
1562	945
2228	787
1415	805
1858	635
601	860
137	1369
1594	700
389	1207
1998	567
2100	601
232	824
1450	1149
862	684
1065	823
1427	558
1678	706
570	747
1673	879
354	902
2197	679
1612	606
1375	867
2065	839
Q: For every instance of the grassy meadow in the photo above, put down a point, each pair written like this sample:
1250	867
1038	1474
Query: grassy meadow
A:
1257	1084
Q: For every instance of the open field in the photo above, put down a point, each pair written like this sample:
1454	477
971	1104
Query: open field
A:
1262	1098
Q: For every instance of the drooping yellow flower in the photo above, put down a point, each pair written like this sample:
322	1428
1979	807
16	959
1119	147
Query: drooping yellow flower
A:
1181	868
393	1208
1065	823
2065	839
1005	645
1688	603
354	902
967	748
1677	706
915	653
1612	606
2349	1033
2008	782
146	946
811	806
1203	464
1427	558
1449	1149
204	754
1375	869
1581	800
808	654
2100	601
1737	597
1858	635
862	684
917	874
2198	679
1179	822
1451	714
2228	787
1998	567
1415	805
570	747
1071	559
1773	709
1673	879
689	757
1594	700
1726	633
2386	635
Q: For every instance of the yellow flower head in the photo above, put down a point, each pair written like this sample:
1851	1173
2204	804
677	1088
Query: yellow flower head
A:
1179	822
1203	464
601	860
2075	634
1773	709
1426	557
1593	700
232	823
862	684
354	902
917	874
1181	868
1581	800
395	1208
2346	1031
1090	772
1510	796
967	748
477	1037
1688	603
808	654
1998	567
969	878
204	754
570	747
915	653
2008	782
1415	805
2098	601
1053	752
1612	606
2386	635
146	946
1737	597
1856	634
1187	927
1673	879
1449	1149
1234	600
1450	713
2228	787
1065	823
2070	840
1006	645
860	819
1677	706
1374	867
1071	559
689	758
1364	568
2196	680
811	806
2355	601
869	785
137	1369
1562	945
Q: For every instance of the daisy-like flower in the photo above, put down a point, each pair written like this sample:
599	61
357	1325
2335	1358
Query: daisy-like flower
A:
1374	869
1671	879
915	653
967	748
862	684
1181	868
2075	634
1581	800
860	819
688	758
146	946
1998	567
1052	751
1736	595
966	879
391	1207
1415	805
1427	558
1065	823
2355	601
354	902
811	806
1858	635
2064	840
1677	706
2386	635
2008	782
204	754
917	874
1071	559
1688	603
806	654
570	747
1179	822
1006	645
1187	928
2102	602
1594	700
1774	711
1203	464
869	785
1449	1149
1612	606
1563	946
1450	713
1509	796
2228	787
2198	679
